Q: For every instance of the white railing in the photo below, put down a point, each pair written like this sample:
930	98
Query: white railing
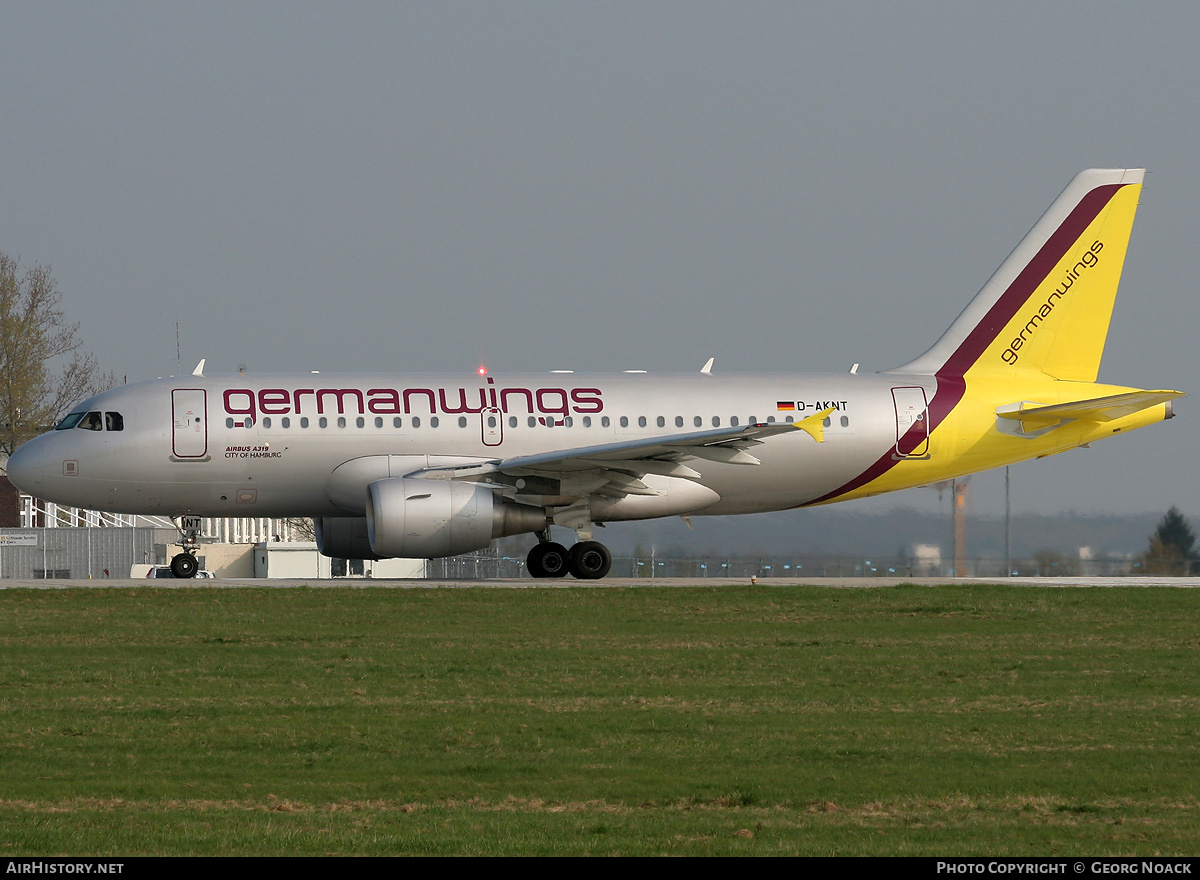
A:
35	513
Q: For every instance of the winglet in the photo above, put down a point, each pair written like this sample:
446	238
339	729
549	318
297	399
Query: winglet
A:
814	425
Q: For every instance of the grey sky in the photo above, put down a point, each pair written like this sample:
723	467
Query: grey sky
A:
597	186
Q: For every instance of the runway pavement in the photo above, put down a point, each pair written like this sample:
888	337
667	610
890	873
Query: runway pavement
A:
563	583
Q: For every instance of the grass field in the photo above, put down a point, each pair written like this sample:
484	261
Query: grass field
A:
715	720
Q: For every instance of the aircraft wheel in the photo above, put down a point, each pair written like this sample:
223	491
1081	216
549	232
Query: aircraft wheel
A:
590	560
547	561
533	562
184	565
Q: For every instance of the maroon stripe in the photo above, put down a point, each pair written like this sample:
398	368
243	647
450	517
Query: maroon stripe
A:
950	383
1028	279
949	392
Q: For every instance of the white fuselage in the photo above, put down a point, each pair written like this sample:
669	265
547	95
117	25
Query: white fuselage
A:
241	446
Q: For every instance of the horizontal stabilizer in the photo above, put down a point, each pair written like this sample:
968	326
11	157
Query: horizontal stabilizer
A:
1098	409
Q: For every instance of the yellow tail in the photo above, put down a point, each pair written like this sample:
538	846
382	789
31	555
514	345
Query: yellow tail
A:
1048	306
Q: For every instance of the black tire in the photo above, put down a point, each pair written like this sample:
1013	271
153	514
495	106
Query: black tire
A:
533	562
590	560
184	566
548	561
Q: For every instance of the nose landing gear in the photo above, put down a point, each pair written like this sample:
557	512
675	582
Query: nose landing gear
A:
184	565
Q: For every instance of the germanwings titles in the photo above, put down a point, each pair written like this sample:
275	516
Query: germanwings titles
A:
426	466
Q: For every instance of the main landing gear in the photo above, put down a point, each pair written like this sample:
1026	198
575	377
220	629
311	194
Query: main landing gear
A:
586	560
184	565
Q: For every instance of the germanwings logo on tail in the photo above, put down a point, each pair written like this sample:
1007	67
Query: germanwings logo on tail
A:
1089	259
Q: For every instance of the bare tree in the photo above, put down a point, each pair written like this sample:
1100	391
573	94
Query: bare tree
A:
301	528
42	370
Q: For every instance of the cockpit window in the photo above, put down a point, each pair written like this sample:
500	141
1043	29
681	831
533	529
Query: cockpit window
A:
114	421
69	421
91	422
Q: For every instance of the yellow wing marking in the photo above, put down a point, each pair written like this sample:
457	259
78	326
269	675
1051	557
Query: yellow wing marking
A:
814	425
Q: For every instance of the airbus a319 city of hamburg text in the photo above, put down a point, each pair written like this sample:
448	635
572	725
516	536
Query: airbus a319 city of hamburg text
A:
426	466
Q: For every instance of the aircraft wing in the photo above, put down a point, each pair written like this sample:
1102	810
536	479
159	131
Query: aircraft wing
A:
616	468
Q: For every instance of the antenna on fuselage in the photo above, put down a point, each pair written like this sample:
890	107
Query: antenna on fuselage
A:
707	368
199	371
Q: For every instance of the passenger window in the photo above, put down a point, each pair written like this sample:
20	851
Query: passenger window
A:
641	421
304	421
433	421
698	422
827	422
678	421
462	421
587	421
378	422
605	422
396	423
323	422
285	422
266	421
113	421
716	421
360	422
416	422
845	421
512	421
624	421
734	421
341	421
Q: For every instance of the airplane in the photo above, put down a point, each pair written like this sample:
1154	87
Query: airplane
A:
426	466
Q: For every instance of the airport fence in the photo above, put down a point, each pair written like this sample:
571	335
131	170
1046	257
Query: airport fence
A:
81	553
480	566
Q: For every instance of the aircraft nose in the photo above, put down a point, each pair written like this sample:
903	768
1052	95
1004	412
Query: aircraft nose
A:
27	467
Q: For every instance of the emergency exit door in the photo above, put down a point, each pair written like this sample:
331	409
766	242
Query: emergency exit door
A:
189	437
912	422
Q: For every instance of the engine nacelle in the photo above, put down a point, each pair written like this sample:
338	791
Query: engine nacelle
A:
344	537
425	519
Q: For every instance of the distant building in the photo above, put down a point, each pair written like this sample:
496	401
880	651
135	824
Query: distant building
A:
927	560
10	504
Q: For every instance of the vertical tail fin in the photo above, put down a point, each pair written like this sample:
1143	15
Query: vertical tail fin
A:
1048	306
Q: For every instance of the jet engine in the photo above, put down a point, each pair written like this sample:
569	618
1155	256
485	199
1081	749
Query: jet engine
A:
426	519
344	537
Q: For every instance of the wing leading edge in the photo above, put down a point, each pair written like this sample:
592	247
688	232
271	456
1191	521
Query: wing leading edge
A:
616	469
